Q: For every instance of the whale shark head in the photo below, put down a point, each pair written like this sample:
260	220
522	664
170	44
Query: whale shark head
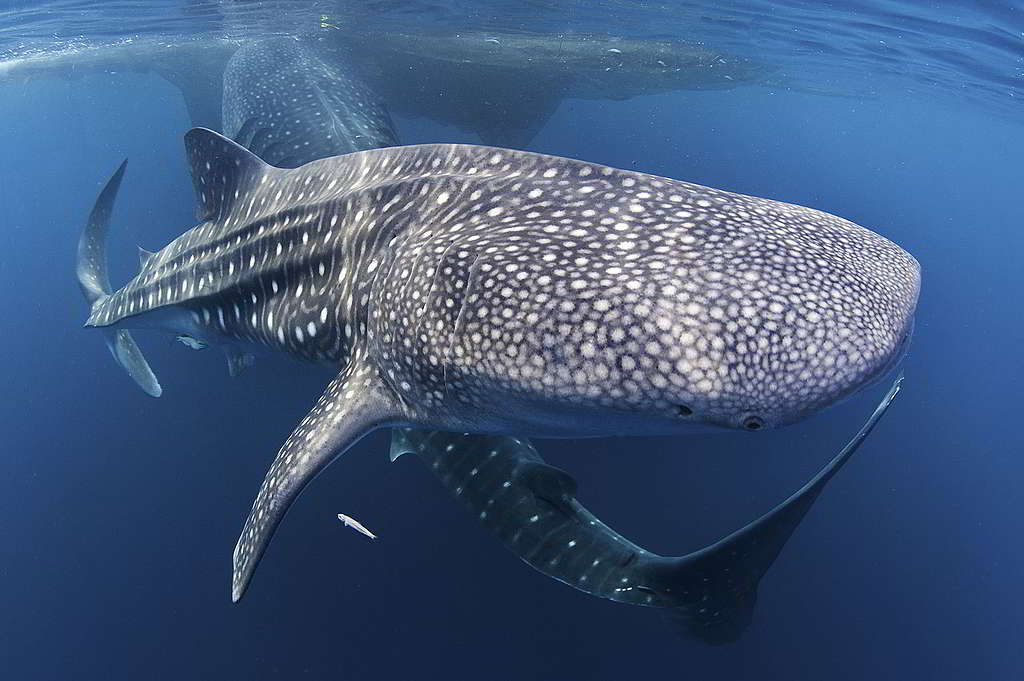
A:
766	331
829	312
573	298
771	328
798	310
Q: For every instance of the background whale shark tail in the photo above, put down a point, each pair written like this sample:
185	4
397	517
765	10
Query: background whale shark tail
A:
709	595
94	280
719	583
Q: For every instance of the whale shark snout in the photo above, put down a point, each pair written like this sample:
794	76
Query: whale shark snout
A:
831	361
784	356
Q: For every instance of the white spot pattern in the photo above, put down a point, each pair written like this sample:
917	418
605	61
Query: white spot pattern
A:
659	302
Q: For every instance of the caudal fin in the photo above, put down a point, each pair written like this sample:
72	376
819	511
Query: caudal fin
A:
94	281
718	584
532	507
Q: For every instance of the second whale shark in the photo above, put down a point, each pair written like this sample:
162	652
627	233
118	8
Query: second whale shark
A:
480	290
288	105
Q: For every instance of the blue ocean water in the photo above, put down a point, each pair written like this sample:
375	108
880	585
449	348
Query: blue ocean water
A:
120	512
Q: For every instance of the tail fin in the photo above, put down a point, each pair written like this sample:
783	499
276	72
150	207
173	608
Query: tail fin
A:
532	507
718	584
94	281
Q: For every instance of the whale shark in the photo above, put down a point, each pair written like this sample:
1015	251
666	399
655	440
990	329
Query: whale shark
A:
711	601
708	594
195	67
289	106
500	86
467	292
537	515
504	86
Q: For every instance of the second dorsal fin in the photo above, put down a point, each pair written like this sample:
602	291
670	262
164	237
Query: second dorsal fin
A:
222	171
144	257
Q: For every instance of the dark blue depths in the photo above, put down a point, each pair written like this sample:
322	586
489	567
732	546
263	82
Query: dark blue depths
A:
120	512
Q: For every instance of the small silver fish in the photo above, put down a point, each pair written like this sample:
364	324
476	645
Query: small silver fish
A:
355	525
190	342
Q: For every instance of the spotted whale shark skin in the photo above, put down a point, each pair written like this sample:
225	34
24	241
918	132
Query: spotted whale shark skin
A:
484	290
289	106
502	480
505	484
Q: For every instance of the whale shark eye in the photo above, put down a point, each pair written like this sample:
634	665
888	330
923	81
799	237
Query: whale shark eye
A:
753	423
683	410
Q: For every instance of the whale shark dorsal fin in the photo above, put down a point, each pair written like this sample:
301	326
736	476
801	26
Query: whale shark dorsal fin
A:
356	402
143	257
222	171
709	594
551	484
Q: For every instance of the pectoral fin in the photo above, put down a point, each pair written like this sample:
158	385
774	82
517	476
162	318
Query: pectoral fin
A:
355	403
